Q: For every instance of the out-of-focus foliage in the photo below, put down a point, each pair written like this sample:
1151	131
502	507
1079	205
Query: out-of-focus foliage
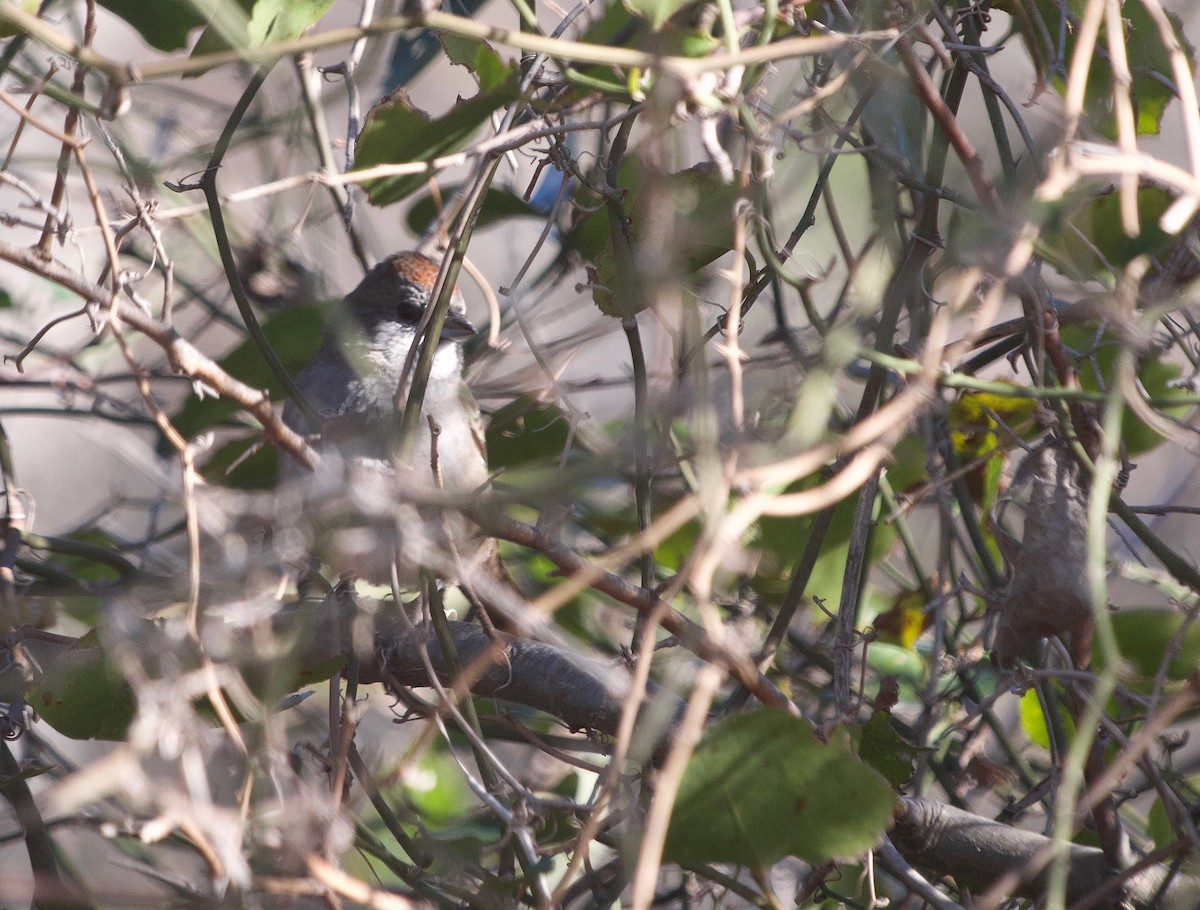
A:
791	309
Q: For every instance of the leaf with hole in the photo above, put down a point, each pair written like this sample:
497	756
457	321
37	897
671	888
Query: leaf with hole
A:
397	132
477	56
1044	25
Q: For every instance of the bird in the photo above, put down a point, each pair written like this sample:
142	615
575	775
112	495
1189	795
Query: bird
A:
358	505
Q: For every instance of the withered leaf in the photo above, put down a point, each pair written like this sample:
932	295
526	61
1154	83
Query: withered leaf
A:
1048	593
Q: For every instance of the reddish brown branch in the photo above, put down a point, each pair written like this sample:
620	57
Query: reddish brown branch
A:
740	666
948	124
181	354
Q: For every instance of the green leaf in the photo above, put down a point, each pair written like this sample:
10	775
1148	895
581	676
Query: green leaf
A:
525	431
243	464
1149	63
164	24
280	20
782	539
882	747
81	695
612	291
477	56
760	786
7	29
84	556
893	660
1033	719
1154	376
697	231
1159	827
618	27
238	24
1084	239
436	791
498	205
395	132
657	12
1146	636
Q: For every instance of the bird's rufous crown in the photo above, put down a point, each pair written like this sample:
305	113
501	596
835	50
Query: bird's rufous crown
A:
420	270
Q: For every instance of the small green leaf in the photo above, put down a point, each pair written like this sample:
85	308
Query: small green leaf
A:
164	25
7	29
279	20
1154	376
1162	832
243	464
239	24
437	791
781	539
498	206
760	786
526	431
477	56
1146	636
610	287
657	12
1085	239
1033	719
882	747
396	132
89	555
893	660
1149	62
698	230
81	695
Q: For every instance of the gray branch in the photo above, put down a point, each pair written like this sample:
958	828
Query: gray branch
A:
978	852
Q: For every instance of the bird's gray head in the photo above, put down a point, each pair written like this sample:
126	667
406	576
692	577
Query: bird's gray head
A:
398	290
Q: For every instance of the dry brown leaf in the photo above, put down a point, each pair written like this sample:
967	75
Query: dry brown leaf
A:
1048	593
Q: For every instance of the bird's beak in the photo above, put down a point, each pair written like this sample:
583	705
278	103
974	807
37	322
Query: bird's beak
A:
456	327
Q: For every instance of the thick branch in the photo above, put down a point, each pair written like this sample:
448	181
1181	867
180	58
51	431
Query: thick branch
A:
583	693
977	852
644	600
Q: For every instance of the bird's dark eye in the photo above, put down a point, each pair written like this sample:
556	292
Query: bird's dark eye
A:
408	309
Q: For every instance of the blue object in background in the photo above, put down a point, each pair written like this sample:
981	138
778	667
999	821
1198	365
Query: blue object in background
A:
412	52
546	192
